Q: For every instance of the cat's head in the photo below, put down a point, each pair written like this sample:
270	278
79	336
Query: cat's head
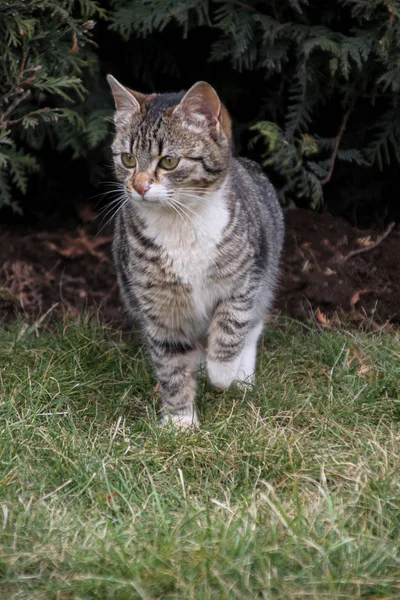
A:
170	145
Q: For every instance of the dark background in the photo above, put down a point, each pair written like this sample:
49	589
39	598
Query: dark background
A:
320	81
253	90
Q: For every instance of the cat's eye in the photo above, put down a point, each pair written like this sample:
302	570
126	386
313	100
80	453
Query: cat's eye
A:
169	162
128	160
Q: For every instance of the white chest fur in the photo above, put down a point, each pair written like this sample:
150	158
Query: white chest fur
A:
190	242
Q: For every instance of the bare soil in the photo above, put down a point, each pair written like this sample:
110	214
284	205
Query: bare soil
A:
44	272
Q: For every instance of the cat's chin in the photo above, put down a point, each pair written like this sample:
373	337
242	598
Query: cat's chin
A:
148	202
159	205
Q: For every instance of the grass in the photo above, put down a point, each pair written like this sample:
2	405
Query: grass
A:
289	491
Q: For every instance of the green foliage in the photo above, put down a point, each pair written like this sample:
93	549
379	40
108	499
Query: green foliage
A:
46	50
320	65
15	167
352	58
291	160
327	80
147	16
385	145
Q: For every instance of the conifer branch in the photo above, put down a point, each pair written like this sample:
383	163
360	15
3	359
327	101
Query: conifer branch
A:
242	5
33	113
17	100
274	10
338	139
25	85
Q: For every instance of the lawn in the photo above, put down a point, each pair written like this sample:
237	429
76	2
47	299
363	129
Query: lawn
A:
291	490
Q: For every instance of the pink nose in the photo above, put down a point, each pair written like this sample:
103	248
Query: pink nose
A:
141	188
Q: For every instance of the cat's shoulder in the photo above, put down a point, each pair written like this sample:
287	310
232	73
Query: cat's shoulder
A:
243	167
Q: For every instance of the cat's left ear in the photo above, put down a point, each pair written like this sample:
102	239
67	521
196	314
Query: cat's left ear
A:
126	99
201	106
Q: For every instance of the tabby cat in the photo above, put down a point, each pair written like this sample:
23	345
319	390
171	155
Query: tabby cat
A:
197	241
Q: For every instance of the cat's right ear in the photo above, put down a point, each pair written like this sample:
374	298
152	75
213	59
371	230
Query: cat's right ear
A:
201	107
123	97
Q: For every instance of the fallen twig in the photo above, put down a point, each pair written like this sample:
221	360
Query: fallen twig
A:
378	240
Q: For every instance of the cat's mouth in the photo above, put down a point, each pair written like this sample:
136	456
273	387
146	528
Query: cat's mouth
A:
150	194
182	201
147	195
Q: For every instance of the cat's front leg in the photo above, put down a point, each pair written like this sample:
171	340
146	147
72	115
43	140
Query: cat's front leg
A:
227	336
175	364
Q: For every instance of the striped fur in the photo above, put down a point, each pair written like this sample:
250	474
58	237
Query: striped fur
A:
196	254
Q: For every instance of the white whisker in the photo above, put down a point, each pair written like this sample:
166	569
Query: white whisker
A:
112	182
192	196
185	205
117	188
122	201
182	209
108	206
193	193
109	209
111	202
189	208
175	208
106	193
196	189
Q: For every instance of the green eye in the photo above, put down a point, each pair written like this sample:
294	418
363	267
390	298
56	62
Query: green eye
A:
169	162
128	160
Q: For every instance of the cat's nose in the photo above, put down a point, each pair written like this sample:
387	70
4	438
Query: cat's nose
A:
141	188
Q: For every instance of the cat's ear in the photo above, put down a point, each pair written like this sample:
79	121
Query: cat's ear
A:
200	106
123	97
126	99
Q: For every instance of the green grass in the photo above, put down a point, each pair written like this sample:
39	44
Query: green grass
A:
290	491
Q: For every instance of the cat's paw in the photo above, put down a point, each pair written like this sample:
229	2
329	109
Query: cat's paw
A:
222	374
180	421
245	381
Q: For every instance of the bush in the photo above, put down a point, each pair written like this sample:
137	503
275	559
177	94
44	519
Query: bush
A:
46	51
322	79
328	73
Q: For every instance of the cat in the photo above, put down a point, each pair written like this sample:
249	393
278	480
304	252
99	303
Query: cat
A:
197	241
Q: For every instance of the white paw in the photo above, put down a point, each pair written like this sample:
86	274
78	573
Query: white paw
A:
245	381
180	421
222	374
245	378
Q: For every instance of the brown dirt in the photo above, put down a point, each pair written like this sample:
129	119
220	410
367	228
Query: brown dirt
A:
316	280
70	268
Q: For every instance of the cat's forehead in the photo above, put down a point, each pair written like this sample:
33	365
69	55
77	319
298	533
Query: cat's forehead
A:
153	126
154	132
162	102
